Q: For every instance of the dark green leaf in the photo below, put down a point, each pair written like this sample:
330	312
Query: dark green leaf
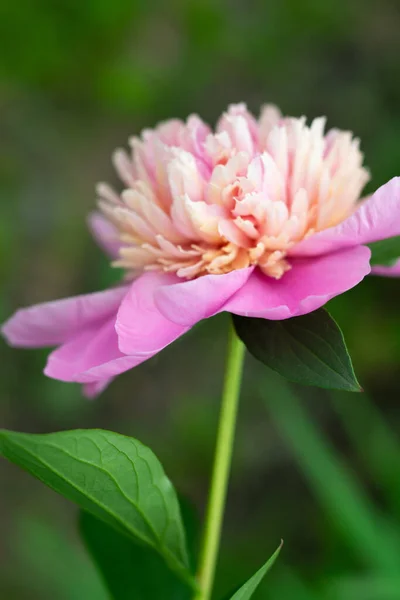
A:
114	477
309	349
191	523
129	570
385	252
248	588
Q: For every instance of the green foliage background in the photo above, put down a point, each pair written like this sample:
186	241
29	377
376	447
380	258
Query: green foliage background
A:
320	470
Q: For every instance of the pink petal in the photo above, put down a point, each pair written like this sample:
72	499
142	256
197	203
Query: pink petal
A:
393	271
91	356
307	286
91	390
56	322
237	128
377	218
142	330
105	234
94	354
187	302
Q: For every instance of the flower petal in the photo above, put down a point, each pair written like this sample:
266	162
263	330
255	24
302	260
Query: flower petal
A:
91	356
307	286
187	302
377	218
91	390
105	234
142	330
393	271
56	322
94	354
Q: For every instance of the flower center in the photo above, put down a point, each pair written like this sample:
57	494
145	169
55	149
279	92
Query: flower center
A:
199	202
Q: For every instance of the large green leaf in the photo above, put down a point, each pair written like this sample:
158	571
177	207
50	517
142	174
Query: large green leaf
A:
309	349
247	589
385	252
114	477
129	570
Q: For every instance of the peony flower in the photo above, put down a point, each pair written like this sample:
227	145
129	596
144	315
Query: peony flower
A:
260	218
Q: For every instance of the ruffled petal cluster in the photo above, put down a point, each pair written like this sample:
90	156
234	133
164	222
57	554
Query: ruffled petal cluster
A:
199	202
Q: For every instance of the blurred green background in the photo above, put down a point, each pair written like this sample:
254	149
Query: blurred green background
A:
320	470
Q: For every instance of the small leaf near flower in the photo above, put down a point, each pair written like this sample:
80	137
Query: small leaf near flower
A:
246	591
385	252
113	477
309	349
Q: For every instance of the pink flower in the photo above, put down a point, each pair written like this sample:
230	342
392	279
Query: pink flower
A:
259	218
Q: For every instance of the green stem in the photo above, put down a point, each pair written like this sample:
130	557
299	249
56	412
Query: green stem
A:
221	468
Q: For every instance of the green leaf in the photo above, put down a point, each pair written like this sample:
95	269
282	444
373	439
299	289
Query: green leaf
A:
129	570
114	477
191	523
385	252
248	589
309	349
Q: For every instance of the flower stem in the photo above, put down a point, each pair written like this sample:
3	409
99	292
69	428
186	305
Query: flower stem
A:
221	468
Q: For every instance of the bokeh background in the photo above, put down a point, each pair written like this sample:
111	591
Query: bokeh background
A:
319	469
